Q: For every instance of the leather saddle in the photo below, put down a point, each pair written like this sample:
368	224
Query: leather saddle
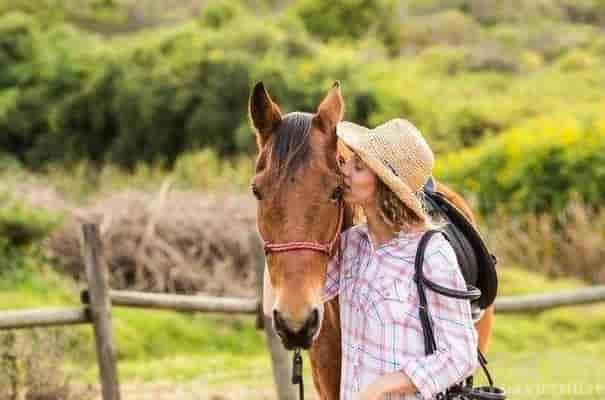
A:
477	264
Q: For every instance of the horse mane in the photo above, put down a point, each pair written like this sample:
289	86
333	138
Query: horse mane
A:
290	148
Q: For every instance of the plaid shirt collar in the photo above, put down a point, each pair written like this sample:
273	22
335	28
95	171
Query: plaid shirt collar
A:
396	240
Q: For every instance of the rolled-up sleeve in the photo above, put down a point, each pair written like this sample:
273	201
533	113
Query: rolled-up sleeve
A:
455	335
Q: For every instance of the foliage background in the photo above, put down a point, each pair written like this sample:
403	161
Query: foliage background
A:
104	104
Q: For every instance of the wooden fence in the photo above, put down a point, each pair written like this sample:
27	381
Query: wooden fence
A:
98	300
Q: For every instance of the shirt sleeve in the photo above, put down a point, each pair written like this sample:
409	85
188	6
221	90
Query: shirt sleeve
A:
455	335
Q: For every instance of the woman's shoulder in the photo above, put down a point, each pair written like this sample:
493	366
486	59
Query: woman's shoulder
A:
439	244
440	257
351	238
354	231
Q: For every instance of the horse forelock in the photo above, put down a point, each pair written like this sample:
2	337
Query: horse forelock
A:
291	148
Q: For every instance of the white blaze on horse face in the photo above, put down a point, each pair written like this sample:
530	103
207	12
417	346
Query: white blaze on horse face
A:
321	310
268	294
269	300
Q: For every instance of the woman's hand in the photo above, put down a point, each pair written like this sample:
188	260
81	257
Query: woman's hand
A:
371	392
394	382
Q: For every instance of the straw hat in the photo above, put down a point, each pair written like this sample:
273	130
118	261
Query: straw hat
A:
396	152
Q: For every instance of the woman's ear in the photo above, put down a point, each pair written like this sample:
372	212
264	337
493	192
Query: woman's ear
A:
331	110
264	114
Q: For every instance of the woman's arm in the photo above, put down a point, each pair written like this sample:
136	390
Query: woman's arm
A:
394	382
455	336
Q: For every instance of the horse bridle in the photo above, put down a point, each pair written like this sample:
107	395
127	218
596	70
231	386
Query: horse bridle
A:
326	248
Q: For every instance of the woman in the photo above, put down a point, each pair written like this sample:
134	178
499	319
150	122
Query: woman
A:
383	354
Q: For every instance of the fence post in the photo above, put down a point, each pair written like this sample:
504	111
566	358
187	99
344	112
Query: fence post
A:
281	360
100	310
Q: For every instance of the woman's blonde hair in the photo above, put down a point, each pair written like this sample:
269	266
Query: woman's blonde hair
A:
395	213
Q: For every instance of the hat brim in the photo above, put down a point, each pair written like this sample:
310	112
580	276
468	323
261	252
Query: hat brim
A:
357	137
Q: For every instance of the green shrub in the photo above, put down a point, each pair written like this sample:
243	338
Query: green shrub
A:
535	167
219	13
69	96
449	27
349	19
21	232
21	225
163	94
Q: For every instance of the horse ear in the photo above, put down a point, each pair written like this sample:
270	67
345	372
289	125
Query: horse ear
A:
264	114
331	109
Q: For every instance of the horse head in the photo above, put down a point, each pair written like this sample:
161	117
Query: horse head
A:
299	207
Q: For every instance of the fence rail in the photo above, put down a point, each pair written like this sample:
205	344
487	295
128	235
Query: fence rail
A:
98	300
43	317
542	302
176	302
14	319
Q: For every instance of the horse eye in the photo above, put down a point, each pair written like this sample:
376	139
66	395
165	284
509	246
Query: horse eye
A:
337	194
256	192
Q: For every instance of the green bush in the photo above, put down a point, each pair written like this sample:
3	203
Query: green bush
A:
158	95
69	96
21	225
450	27
536	167
349	19
21	232
219	13
38	68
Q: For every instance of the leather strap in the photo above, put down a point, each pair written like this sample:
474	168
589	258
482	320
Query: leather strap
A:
457	391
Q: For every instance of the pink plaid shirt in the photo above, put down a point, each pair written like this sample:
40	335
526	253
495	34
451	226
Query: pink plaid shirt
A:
381	330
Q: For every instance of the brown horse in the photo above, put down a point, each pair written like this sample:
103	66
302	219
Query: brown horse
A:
297	185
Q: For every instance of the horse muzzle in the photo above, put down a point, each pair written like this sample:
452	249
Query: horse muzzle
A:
292	337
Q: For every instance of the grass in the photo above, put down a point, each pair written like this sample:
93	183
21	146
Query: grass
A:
554	354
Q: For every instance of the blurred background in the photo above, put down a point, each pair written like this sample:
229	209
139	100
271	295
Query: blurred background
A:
133	114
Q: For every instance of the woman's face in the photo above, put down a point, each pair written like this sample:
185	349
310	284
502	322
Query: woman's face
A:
360	182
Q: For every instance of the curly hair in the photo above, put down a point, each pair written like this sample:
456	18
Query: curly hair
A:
396	213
